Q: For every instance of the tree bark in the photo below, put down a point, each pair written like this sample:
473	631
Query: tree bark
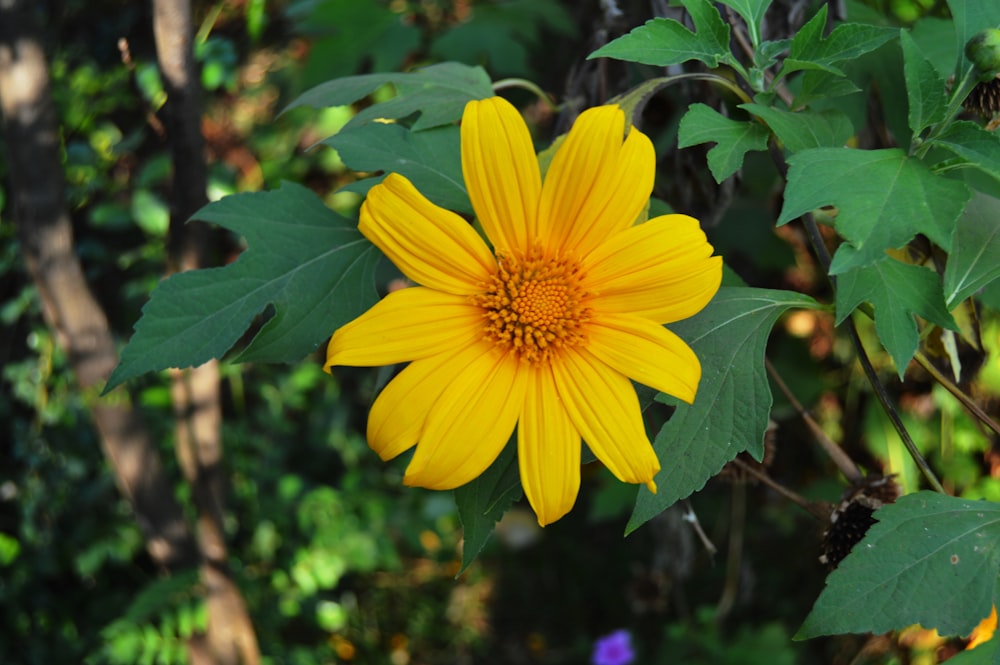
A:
77	320
230	639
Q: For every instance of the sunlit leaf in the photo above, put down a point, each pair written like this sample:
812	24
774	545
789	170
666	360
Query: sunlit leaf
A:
930	559
431	159
898	291
438	92
734	138
664	41
883	197
731	410
307	262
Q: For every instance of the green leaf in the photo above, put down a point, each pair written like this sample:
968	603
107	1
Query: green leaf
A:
971	16
976	146
805	129
752	12
930	559
974	261
482	502
925	89
818	85
731	410
703	124
897	290
307	262
438	92
664	41
848	41
431	159
884	198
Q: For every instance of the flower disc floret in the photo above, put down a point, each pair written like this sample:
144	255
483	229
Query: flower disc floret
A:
534	306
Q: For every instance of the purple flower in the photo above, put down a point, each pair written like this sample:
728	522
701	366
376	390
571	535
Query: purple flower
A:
613	649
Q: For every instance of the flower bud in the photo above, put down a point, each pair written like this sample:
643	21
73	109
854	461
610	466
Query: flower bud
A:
984	52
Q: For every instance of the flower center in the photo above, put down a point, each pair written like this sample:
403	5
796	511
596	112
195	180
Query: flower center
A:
534	305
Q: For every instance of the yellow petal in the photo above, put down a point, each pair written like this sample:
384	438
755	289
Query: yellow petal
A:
603	407
548	450
597	184
470	421
430	245
405	325
662	270
501	173
397	417
646	352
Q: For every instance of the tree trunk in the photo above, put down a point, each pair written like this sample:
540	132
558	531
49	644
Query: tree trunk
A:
77	320
230	639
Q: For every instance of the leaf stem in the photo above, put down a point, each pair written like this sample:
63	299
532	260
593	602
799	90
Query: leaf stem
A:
530	86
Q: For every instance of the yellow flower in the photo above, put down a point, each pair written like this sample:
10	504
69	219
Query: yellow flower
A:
544	331
984	631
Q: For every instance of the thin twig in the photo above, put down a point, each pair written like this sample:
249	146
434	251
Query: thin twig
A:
691	518
829	446
959	394
815	509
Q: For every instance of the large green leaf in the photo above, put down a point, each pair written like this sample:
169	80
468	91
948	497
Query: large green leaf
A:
731	410
930	559
974	261
431	159
664	41
735	138
884	198
438	92
482	502
897	290
308	263
974	145
805	129
848	41
925	89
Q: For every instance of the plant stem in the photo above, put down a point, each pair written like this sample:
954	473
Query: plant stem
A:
829	446
890	410
823	255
